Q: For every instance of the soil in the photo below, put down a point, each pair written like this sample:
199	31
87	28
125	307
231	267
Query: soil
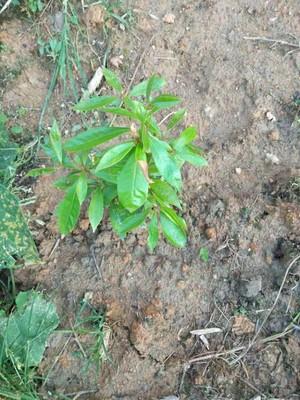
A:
243	208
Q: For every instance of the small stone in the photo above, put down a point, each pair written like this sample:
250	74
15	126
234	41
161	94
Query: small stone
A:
270	116
238	171
211	233
271	158
274	135
84	224
116	61
169	18
181	284
185	268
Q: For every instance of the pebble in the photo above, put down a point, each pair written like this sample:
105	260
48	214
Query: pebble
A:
169	18
211	233
271	158
274	135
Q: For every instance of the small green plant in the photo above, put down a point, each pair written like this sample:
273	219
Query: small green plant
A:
204	254
30	6
137	180
23	336
16	242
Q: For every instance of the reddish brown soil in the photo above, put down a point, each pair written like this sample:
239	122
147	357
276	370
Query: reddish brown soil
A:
242	207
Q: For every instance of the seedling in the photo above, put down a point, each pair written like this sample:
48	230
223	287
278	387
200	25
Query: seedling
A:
139	179
204	254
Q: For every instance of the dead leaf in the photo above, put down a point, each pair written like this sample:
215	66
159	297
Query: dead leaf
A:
205	331
95	81
242	325
144	167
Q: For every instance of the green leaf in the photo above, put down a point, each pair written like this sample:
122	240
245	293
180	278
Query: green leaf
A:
40	171
165	101
81	187
171	214
176	119
187	136
204	254
55	141
65	182
68	211
112	80
24	333
16	130
122	221
132	185
119	111
141	88
114	155
15	238
95	211
173	233
93	137
153	83
164	162
192	155
109	193
166	193
94	103
153	233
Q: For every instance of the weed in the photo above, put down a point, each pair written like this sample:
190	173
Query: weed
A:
139	179
16	242
30	6
23	336
63	51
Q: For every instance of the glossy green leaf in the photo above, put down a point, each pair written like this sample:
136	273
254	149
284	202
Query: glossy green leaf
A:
186	137
112	80
15	238
153	233
114	155
141	88
40	171
176	118
166	193
81	187
55	141
93	137
24	333
68	211
96	208
164	162
94	103
132	185
192	155
173	233
171	214
204	254
165	101
122	221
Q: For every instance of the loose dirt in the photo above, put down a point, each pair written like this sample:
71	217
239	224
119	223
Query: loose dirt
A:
244	208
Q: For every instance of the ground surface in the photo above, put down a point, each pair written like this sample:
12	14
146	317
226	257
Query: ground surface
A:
243	208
